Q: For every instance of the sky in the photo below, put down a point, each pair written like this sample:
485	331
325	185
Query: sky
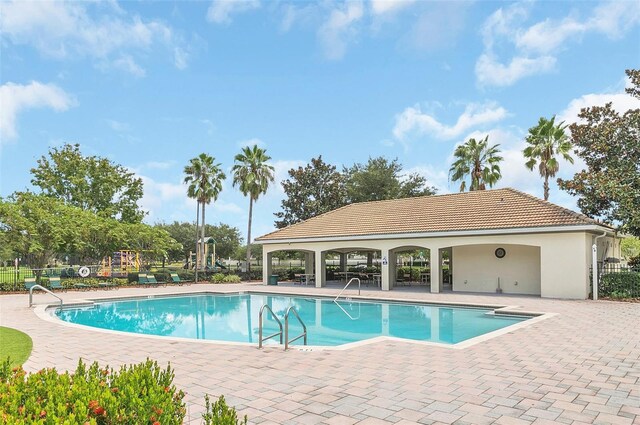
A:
151	85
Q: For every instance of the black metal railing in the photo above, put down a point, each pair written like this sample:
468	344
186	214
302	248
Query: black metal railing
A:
618	281
13	279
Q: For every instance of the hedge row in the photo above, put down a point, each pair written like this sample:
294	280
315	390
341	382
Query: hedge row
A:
136	394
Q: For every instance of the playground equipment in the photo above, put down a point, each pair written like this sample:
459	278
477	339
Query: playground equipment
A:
121	263
211	263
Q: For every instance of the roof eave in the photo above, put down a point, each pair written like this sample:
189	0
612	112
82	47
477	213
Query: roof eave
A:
449	233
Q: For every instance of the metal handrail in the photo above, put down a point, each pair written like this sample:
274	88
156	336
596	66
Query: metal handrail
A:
291	309
260	339
346	312
347	285
45	290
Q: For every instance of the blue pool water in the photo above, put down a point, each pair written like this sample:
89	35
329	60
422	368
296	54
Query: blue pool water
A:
235	318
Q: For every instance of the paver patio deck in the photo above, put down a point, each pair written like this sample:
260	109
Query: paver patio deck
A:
580	366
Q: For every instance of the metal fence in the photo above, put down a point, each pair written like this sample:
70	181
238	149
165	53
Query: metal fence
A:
12	278
618	281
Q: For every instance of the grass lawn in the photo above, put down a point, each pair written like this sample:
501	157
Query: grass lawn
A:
14	344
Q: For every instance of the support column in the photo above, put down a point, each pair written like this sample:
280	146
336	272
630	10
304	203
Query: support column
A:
320	269
435	262
388	269
343	262
393	269
308	262
267	266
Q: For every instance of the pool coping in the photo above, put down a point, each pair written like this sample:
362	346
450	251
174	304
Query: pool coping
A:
533	317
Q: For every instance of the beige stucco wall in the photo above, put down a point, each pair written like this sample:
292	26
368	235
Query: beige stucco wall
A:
478	269
564	257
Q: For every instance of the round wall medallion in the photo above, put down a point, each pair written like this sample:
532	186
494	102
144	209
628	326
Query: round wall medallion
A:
500	252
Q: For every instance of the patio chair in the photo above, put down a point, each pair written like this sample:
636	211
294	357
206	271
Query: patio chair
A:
55	283
142	278
29	282
151	280
176	279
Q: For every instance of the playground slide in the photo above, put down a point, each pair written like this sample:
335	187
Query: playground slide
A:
219	264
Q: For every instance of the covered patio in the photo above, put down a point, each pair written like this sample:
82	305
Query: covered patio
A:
496	241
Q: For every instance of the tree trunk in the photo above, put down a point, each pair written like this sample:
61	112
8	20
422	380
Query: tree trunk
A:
249	234
203	260
197	251
546	188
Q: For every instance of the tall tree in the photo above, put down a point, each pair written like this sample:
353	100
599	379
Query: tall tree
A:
227	238
204	178
381	179
89	182
311	190
546	141
609	144
477	161
40	227
252	175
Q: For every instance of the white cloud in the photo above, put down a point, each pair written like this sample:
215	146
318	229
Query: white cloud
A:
159	165
493	73
220	11
180	57
227	207
15	98
414	121
210	127
621	102
611	19
118	126
337	31
251	142
537	46
128	64
435	176
382	7
157	195
65	28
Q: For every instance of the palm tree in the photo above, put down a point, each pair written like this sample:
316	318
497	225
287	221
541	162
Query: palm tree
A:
252	174
546	140
477	160
204	178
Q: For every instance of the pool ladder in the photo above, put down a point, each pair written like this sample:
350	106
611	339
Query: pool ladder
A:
43	289
347	285
282	331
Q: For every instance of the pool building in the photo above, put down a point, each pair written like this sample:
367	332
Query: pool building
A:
494	241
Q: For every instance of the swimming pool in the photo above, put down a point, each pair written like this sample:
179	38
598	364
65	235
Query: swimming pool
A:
234	318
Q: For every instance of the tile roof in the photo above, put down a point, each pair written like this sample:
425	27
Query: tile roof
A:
481	210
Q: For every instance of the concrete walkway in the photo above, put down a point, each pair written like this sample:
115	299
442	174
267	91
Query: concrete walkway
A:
580	366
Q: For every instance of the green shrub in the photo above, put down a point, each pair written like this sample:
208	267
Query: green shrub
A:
136	394
232	278
620	285
70	282
162	276
220	414
634	262
217	278
132	277
120	281
186	275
